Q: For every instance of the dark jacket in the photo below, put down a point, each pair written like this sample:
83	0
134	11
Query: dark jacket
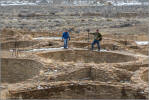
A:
97	36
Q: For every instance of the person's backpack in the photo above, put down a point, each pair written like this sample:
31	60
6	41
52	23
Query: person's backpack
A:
99	37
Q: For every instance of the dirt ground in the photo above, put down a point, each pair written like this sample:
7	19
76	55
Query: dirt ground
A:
34	64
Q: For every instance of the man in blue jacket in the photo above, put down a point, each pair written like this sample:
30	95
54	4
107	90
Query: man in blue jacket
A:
65	37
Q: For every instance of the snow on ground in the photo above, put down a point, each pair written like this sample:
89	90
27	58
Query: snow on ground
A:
43	49
50	38
142	42
14	3
39	87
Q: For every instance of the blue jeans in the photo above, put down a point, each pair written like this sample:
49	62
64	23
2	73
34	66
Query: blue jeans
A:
65	43
98	44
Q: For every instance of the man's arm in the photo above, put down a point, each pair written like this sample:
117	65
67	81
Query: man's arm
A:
63	36
92	33
68	36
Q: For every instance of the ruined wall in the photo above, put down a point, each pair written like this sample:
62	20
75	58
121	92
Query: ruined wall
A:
16	70
100	73
17	44
140	76
80	90
145	76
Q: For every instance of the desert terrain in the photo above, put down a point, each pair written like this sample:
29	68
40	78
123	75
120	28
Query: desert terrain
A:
34	64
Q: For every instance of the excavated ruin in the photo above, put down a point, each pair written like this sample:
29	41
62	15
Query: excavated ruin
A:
85	56
15	70
112	79
74	73
90	78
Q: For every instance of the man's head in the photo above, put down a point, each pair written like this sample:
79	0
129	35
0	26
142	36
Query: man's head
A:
65	30
97	30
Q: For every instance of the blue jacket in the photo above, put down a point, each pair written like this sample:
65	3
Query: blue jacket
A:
65	35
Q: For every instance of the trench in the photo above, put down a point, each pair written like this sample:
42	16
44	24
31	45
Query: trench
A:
85	56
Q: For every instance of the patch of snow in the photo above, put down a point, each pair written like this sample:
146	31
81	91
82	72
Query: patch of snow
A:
113	2
46	87
81	84
71	84
129	4
46	73
124	81
43	49
16	3
142	92
50	38
2	87
55	70
102	50
142	42
39	87
85	78
109	82
11	50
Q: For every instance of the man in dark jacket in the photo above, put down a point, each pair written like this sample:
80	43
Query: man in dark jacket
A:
65	37
97	39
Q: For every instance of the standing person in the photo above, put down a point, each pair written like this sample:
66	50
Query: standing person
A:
97	39
65	37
